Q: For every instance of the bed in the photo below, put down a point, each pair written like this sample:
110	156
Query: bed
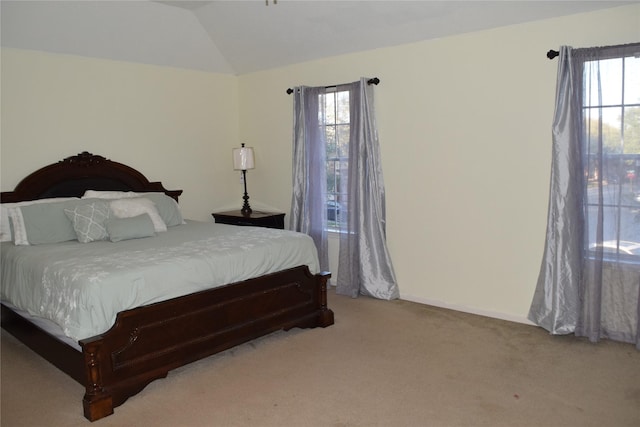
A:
147	341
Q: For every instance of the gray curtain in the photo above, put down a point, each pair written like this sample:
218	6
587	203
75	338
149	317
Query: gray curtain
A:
364	263
583	287
308	204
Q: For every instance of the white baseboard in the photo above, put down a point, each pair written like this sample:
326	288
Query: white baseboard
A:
471	310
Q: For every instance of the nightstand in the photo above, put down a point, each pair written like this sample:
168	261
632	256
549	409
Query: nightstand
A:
255	218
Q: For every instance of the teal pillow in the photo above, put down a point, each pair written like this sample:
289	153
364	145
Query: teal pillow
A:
135	227
88	221
46	223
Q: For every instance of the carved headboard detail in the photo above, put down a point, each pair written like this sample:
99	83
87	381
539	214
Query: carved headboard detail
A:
72	176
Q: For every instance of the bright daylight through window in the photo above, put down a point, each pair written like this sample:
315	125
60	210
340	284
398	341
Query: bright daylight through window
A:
335	119
615	114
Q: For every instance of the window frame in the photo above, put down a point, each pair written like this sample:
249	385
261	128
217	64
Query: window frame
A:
337	159
612	165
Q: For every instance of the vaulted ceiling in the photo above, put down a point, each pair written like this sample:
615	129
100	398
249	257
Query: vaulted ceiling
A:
243	36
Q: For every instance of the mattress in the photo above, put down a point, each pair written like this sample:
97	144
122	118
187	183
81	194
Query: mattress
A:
82	286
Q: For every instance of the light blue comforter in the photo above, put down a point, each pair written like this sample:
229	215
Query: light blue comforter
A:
82	286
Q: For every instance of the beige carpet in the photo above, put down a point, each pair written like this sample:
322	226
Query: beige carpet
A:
382	364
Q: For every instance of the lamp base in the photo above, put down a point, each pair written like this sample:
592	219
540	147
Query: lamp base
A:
246	209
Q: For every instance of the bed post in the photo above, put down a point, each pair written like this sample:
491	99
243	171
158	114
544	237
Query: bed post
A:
96	402
325	317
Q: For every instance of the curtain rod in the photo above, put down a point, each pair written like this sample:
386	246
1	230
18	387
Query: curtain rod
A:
373	81
553	53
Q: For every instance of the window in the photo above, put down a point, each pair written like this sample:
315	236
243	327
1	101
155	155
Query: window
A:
334	118
611	126
329	126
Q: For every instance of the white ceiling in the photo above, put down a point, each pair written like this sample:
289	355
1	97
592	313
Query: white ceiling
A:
242	36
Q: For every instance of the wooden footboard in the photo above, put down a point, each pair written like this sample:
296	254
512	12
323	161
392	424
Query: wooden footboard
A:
147	342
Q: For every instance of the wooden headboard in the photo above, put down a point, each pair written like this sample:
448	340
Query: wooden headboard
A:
74	175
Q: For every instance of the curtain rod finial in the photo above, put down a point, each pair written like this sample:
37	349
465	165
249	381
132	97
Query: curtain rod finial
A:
552	54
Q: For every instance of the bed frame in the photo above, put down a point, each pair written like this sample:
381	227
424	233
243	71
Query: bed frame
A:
147	342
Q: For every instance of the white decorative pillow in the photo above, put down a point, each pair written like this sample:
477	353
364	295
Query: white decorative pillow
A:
5	209
17	223
127	208
89	221
167	207
98	194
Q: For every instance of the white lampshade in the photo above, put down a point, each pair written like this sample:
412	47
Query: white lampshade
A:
243	158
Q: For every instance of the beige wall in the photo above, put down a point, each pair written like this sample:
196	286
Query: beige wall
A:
463	125
175	126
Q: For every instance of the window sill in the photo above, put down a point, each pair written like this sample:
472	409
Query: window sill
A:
632	262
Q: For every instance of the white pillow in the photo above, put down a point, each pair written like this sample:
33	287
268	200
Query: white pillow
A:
127	208
17	222
5	215
95	194
167	206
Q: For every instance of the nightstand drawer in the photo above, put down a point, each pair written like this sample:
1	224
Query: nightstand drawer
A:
255	219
